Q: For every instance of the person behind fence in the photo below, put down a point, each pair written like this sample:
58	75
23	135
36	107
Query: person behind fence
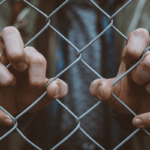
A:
25	81
133	89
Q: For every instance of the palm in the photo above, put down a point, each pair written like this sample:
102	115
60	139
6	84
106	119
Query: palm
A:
133	95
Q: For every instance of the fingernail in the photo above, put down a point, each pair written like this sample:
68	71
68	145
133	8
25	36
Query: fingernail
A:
137	122
22	66
8	122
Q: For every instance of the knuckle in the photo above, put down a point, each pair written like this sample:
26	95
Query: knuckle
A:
142	31
131	50
35	56
9	30
38	59
30	49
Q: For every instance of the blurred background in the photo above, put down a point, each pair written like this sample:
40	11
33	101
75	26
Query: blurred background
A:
80	22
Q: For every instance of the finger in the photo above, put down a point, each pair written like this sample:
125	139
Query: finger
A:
37	69
14	48
6	78
5	119
142	120
141	74
101	89
56	89
138	40
4	60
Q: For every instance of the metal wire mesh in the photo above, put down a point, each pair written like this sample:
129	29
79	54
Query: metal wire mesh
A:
78	59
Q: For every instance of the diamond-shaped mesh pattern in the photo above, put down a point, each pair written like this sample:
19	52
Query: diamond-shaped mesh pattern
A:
78	58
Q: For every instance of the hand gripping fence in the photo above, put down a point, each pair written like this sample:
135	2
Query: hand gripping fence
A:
79	59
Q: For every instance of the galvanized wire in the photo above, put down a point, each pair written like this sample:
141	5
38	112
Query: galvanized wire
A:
79	59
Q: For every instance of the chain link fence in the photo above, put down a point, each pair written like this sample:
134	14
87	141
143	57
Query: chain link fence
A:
78	59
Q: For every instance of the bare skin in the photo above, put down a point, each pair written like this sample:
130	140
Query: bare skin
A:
25	80
134	88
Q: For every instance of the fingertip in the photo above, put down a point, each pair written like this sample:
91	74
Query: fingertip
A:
137	122
93	87
53	90
131	54
57	89
5	119
141	34
14	48
138	40
8	122
101	88
21	66
19	61
104	91
142	120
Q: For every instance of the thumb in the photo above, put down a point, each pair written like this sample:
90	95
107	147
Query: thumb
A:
5	119
142	120
101	88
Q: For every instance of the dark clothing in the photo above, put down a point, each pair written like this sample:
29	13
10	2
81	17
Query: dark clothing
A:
80	22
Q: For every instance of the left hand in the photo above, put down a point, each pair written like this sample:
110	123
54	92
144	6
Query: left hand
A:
134	88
